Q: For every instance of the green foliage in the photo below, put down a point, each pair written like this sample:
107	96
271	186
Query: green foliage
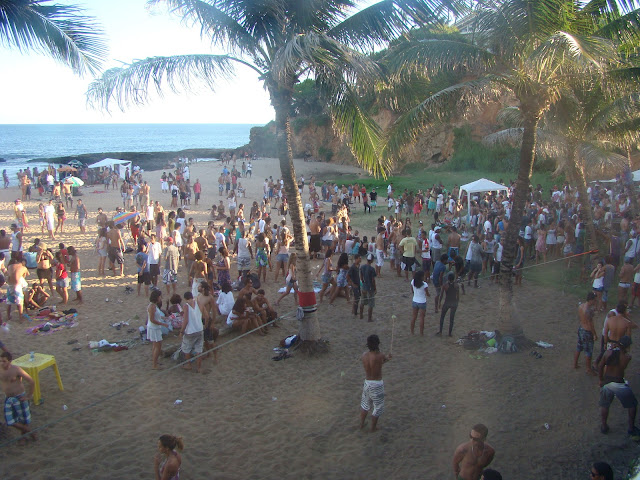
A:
470	154
306	99
326	154
300	123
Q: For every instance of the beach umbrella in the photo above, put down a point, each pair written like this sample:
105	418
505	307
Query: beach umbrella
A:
75	181
76	163
124	216
67	168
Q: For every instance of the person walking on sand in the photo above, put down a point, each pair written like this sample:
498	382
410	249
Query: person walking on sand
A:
471	457
192	332
420	291
167	461
368	285
451	293
16	403
373	389
155	322
586	332
612	384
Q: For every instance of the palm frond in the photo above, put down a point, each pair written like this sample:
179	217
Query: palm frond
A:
510	117
60	31
599	158
436	55
564	51
387	19
217	25
134	83
508	136
623	29
362	132
434	109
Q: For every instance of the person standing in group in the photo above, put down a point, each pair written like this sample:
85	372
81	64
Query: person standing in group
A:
438	278
208	307
142	262
292	281
155	322
167	461
408	247
420	291
81	214
197	190
74	269
451	291
62	278
116	248
16	242
586	332
373	389
154	250
192	332
368	285
471	457
16	404
353	278
16	283
612	384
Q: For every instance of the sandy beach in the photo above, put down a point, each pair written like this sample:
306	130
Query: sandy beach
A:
250	417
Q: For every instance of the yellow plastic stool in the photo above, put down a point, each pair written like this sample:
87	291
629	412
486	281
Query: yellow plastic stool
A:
32	367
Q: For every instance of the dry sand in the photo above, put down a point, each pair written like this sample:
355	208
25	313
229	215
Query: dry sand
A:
252	418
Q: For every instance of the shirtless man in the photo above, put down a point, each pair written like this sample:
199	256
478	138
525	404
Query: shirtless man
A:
471	457
16	403
198	272
263	308
315	244
15	277
453	242
190	250
586	332
101	219
5	244
611	372
373	390
116	248
379	251
626	277
616	327
202	242
74	273
208	307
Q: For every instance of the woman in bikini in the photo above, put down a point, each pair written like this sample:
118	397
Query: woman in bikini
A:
292	282
168	460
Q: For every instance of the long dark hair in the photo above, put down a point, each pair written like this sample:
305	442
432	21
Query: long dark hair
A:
418	279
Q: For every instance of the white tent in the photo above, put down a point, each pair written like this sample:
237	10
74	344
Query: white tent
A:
636	178
481	185
119	166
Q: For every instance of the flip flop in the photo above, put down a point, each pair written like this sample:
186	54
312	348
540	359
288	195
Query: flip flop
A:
76	349
71	342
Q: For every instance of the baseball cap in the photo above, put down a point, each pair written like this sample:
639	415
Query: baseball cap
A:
169	240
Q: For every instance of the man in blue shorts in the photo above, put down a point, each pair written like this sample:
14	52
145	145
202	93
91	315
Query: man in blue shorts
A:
16	403
586	332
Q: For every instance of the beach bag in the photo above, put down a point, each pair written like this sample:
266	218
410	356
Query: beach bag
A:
30	257
507	344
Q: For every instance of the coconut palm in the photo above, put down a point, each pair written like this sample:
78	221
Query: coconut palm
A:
60	31
529	50
582	132
283	42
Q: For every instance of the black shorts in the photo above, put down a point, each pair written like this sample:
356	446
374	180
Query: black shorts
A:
145	278
408	262
154	269
44	273
211	334
115	255
315	244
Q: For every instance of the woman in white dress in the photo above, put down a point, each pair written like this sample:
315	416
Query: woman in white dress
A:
155	322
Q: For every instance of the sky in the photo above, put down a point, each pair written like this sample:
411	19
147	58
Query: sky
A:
36	89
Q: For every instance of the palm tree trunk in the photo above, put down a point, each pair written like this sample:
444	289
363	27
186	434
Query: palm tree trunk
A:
630	187
507	321
590	242
281	100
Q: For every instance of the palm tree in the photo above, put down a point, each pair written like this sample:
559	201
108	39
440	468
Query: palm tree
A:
60	31
529	49
283	42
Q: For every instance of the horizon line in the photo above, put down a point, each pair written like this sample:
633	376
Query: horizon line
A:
140	123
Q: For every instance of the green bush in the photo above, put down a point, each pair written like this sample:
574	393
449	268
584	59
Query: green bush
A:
326	154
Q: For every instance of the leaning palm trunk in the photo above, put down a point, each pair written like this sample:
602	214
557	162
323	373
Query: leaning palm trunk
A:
309	328
508	323
591	241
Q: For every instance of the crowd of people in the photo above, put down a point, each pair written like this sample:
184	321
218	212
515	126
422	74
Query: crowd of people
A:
425	238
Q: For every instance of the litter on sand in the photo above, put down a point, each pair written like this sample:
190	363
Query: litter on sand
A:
542	344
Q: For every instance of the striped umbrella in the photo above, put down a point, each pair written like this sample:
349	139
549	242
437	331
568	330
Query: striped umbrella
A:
75	181
124	216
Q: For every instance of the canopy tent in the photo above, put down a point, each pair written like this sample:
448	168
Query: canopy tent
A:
636	178
119	166
480	185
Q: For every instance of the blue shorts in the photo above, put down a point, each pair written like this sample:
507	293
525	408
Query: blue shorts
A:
585	342
326	277
282	257
16	410
419	306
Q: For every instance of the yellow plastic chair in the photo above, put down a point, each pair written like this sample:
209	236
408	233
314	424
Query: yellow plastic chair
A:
33	367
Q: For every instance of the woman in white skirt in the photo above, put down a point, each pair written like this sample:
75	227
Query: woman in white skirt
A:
155	322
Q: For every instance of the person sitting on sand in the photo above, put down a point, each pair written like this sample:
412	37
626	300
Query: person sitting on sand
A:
241	319
16	403
471	457
263	308
167	461
36	297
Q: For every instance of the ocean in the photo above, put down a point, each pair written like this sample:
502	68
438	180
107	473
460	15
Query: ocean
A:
20	143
